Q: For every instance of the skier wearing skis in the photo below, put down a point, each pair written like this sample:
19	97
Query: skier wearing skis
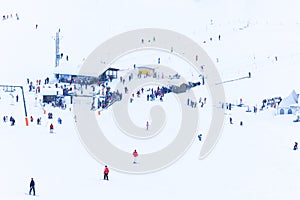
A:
135	155
32	187
147	125
106	171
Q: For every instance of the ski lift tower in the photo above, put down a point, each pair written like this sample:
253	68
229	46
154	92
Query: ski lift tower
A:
57	54
12	89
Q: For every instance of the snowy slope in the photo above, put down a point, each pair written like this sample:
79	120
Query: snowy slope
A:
254	161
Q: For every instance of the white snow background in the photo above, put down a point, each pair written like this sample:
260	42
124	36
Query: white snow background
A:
255	161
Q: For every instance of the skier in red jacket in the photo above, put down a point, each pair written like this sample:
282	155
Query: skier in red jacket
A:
135	155
106	171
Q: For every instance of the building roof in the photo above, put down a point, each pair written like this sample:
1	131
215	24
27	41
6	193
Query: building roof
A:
289	100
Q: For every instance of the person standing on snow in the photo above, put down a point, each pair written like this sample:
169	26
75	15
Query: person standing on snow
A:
12	121
32	187
147	125
296	146
135	155
51	128
106	171
200	137
38	121
59	120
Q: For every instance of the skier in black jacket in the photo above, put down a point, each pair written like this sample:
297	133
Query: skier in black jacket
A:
32	184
